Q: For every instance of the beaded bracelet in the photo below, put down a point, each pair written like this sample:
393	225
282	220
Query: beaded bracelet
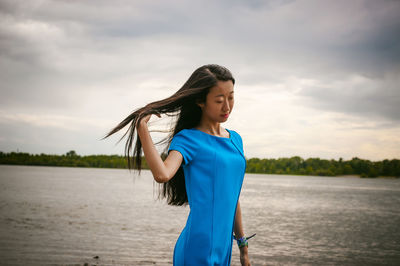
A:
242	242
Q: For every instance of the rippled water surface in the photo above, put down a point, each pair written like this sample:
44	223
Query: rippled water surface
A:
67	216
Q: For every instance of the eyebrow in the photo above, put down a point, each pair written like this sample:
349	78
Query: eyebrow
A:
222	94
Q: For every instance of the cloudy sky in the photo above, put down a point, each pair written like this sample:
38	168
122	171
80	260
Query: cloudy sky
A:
314	78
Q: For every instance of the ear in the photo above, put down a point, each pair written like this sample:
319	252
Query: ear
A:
200	104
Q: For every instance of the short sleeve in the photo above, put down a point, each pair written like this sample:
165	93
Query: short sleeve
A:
185	144
237	140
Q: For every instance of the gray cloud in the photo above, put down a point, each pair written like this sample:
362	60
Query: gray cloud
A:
76	57
370	97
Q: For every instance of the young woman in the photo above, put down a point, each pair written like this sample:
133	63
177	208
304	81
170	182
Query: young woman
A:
204	167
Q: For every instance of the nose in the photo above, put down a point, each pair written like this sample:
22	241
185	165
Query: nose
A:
226	107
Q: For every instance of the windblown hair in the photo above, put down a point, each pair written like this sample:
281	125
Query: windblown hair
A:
183	105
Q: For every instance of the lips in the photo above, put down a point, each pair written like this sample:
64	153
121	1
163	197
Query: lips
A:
225	115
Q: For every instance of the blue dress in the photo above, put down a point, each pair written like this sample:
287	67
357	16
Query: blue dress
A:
214	169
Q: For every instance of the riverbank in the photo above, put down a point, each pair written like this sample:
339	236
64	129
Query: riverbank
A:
359	176
282	166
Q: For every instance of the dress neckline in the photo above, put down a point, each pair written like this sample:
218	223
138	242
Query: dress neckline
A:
230	134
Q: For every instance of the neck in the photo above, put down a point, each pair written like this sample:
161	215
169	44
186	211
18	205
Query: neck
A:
213	128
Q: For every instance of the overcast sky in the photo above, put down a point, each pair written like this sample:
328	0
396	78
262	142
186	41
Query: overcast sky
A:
313	78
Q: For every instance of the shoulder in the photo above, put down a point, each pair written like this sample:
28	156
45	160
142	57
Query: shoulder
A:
185	133
187	136
233	132
235	135
185	143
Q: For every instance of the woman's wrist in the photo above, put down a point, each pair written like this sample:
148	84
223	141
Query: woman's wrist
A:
142	125
244	250
242	242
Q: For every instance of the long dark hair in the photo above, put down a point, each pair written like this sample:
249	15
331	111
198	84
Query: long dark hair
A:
183	105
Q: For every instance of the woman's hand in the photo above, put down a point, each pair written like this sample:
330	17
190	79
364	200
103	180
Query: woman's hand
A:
244	257
146	119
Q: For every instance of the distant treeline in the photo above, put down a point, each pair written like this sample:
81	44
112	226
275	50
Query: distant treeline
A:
316	166
70	159
289	166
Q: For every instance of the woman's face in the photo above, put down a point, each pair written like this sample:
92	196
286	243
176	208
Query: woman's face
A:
219	102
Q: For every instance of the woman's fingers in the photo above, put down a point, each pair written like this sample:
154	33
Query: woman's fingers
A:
147	118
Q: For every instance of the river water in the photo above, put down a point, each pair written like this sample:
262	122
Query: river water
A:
68	216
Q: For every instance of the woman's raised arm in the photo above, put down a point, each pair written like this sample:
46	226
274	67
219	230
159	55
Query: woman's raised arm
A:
162	170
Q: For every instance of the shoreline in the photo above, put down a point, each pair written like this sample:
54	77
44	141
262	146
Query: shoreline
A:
144	169
359	176
294	165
